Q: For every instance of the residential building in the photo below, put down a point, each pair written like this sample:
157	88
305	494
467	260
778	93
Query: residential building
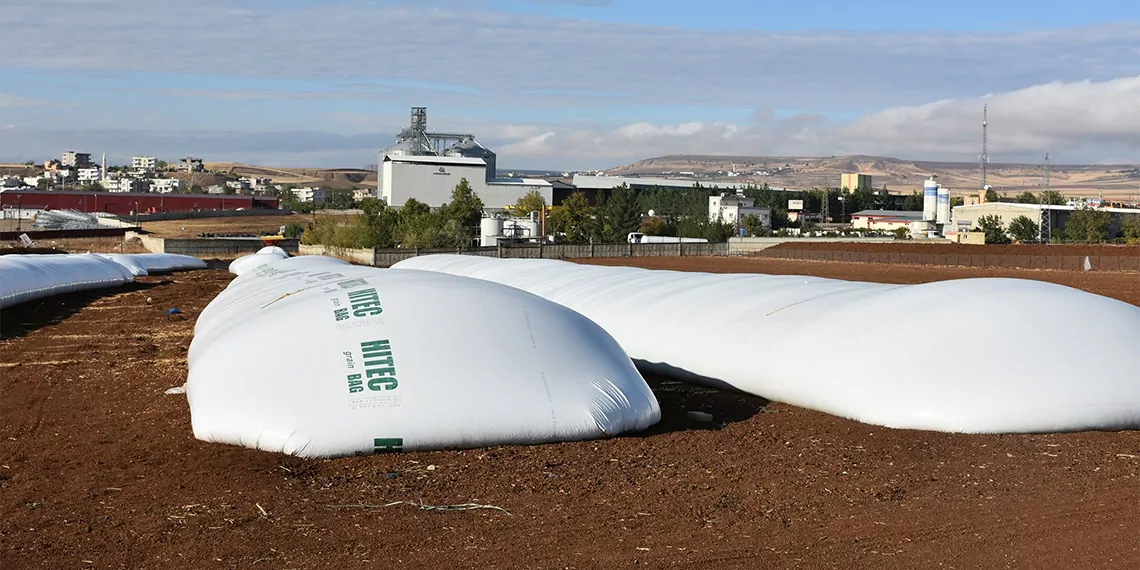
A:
731	208
144	163
191	164
854	181
126	184
362	193
315	195
72	159
238	185
88	175
165	185
216	189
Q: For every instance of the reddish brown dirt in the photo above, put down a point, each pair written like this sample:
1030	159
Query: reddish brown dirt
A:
99	469
1020	249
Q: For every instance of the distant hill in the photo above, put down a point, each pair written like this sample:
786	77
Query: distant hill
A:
897	174
325	177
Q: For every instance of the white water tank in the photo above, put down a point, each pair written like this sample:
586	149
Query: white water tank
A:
943	210
490	230
930	200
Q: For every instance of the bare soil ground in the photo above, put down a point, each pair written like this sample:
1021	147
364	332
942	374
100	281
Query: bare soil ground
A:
955	248
99	469
245	224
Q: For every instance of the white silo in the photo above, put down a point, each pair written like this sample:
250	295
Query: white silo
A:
930	200
943	205
490	230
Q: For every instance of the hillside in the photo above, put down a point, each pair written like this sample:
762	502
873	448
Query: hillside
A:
326	177
1121	181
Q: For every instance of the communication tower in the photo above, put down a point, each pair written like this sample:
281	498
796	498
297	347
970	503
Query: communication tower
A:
985	158
1046	228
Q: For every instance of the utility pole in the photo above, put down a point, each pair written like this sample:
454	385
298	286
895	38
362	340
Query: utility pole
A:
985	158
1046	227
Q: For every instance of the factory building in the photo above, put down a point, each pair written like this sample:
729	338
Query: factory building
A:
885	220
428	166
854	181
965	218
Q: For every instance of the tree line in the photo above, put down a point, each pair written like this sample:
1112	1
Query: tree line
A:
1084	225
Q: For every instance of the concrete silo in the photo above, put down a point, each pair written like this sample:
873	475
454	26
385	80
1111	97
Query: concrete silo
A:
930	200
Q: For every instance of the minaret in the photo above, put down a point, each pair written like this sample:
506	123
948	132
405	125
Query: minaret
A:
104	172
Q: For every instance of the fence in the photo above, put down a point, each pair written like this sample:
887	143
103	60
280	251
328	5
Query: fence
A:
1057	262
213	248
389	257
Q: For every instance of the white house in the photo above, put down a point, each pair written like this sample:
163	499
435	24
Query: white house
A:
165	185
731	208
144	162
312	194
88	175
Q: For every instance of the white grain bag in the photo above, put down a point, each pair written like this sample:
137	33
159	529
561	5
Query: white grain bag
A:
156	262
263	256
317	358
27	277
969	355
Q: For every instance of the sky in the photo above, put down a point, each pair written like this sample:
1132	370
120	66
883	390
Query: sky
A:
570	84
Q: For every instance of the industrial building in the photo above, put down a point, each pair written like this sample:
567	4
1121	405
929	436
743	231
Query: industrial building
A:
885	220
428	166
965	218
854	181
127	203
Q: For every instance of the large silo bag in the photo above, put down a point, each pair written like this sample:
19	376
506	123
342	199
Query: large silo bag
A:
27	277
263	256
147	263
319	359
970	355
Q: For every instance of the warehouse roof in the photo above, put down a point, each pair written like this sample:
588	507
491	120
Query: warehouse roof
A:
1042	206
904	214
589	182
428	159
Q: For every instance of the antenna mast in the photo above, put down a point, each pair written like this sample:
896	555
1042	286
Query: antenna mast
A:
1046	228
985	158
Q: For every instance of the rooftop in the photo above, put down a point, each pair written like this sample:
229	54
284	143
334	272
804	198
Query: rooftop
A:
903	214
427	159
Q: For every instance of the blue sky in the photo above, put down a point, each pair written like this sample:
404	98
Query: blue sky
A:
570	83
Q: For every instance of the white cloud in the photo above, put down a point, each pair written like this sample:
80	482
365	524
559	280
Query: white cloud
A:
17	101
535	60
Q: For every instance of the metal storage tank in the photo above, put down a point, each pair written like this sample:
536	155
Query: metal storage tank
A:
470	148
943	205
490	230
930	199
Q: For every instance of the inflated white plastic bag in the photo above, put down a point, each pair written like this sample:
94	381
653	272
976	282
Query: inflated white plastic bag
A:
263	256
317	358
970	355
155	262
27	277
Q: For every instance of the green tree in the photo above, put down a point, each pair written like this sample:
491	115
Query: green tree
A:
1052	198
1024	230
532	201
572	220
619	215
161	164
413	208
465	206
1089	225
1026	198
901	233
653	225
993	228
753	225
1130	227
339	199
197	189
991	195
913	202
293	230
